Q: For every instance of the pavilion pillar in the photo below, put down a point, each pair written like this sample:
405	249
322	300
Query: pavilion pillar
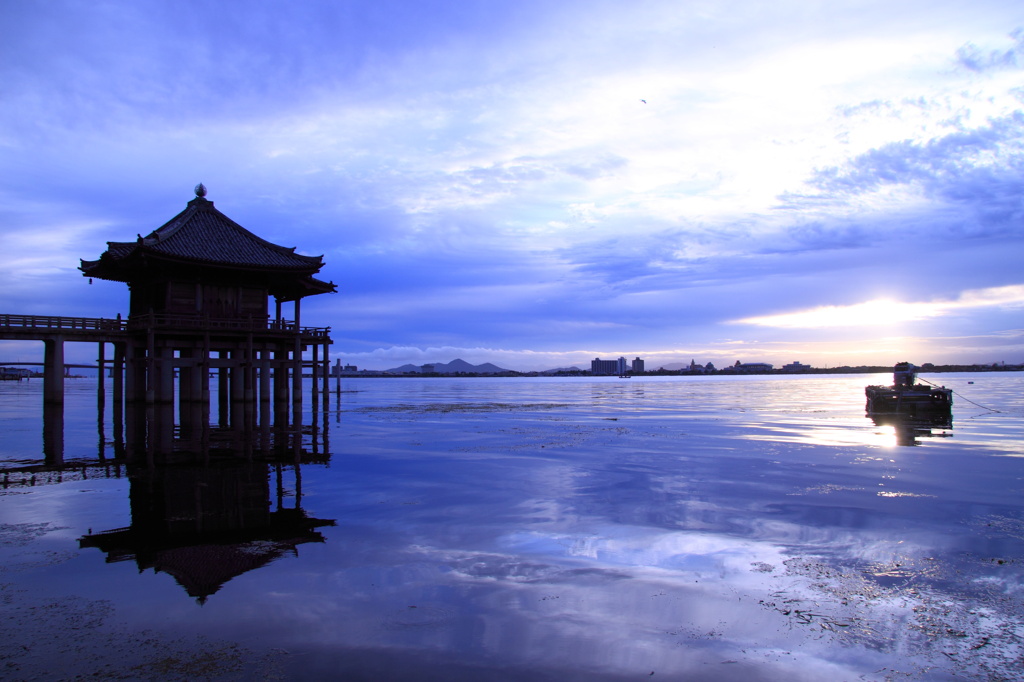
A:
53	370
131	385
265	417
186	367
117	369
223	384
249	397
315	369
327	431
165	375
250	371
150	381
200	390
135	430
117	372
186	380
315	394
297	376
281	365
161	437
327	373
238	366
297	382
265	390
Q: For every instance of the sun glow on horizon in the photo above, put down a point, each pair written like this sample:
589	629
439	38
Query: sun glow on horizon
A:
886	312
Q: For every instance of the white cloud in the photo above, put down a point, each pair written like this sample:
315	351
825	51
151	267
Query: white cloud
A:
883	313
471	174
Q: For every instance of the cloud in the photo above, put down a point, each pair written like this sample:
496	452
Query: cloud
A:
940	165
972	57
886	313
487	176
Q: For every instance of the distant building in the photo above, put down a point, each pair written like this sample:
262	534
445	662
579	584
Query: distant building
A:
606	367
339	370
638	366
751	367
427	369
796	367
695	368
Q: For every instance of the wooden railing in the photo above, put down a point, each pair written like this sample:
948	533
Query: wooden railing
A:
157	321
139	322
70	323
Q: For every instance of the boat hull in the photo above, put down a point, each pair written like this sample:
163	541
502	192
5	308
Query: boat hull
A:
914	401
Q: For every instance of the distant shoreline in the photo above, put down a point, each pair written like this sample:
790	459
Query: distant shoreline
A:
728	371
936	369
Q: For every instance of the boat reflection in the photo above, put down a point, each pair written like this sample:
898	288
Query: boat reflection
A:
909	428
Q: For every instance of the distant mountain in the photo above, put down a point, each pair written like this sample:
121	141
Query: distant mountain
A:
566	370
454	367
404	369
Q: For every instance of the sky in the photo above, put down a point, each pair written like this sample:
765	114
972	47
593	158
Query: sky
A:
536	183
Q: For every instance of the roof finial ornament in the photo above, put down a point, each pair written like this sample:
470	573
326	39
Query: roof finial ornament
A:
200	190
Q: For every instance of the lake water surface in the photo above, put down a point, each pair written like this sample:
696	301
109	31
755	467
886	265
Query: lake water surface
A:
681	528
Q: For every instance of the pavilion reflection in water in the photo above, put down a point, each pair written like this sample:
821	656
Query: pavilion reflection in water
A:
208	503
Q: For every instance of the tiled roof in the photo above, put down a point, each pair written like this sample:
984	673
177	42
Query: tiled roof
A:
203	234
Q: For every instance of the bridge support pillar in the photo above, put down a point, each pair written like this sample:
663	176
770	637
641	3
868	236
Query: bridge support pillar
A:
101	363
53	371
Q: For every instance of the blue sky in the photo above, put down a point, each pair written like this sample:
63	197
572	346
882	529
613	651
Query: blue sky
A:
539	183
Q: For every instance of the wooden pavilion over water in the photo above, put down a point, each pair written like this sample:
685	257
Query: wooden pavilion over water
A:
200	291
200	306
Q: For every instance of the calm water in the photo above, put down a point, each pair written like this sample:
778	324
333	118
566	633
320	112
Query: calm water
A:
745	528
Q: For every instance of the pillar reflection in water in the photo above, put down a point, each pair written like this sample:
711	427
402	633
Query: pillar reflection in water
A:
53	433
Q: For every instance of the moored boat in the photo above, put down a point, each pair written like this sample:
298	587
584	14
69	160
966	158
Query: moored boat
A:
907	397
